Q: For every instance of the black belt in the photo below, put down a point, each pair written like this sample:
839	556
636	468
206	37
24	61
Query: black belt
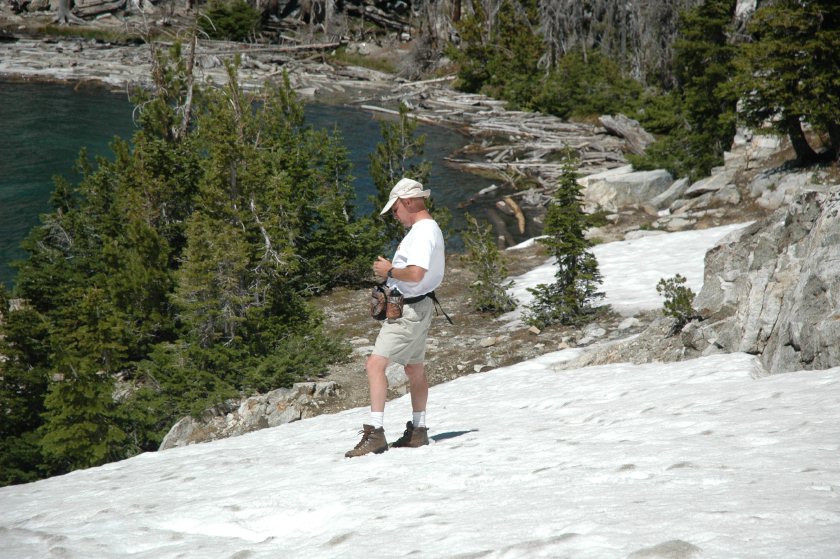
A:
431	295
412	300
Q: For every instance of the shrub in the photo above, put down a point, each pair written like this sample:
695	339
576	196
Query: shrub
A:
489	292
678	300
234	21
585	86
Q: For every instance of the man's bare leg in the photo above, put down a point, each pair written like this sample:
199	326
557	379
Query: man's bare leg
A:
418	385
377	382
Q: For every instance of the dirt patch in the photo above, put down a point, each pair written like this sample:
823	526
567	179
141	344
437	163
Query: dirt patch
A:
476	342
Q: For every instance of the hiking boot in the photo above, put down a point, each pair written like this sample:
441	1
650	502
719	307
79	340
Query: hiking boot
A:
413	436
373	440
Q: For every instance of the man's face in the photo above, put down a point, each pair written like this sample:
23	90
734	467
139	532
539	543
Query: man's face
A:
400	212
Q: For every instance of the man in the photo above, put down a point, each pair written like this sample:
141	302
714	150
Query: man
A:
416	271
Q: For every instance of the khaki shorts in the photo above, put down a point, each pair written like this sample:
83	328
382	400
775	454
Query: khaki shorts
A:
403	340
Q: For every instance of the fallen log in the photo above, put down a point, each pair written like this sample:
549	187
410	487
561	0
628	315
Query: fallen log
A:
376	16
376	109
84	8
425	82
504	238
279	49
517	211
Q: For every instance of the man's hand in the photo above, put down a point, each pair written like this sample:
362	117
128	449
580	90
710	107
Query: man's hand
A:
381	266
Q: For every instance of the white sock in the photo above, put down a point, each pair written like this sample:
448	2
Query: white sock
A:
419	418
377	418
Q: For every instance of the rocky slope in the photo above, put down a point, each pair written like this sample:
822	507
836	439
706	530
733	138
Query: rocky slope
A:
771	291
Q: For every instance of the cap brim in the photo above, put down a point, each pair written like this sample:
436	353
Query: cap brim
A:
388	206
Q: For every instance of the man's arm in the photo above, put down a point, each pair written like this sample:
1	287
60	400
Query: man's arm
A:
411	273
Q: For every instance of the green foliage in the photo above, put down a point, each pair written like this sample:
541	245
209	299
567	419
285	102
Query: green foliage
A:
232	21
583	86
678	300
474	51
394	158
180	268
513	72
502	56
24	345
489	290
80	428
292	360
500	53
569	300
790	73
697	120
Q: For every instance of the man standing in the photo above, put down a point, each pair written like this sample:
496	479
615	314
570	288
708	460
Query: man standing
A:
416	271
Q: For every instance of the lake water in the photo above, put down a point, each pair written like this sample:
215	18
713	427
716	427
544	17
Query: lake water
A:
43	127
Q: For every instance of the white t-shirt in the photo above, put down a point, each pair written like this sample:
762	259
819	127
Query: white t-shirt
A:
422	246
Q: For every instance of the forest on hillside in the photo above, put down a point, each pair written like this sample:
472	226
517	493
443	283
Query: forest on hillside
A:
180	272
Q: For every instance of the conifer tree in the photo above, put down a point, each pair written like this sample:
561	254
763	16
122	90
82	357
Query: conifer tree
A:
789	74
80	428
396	157
183	267
700	121
24	347
569	300
501	51
489	290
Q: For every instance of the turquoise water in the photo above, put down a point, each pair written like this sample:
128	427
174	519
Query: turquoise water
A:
43	127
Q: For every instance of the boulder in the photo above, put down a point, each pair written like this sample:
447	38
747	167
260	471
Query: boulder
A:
671	195
615	191
719	178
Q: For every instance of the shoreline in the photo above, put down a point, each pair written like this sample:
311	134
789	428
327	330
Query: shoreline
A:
518	151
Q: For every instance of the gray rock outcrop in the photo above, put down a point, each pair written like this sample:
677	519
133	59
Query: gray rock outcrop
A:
271	409
773	288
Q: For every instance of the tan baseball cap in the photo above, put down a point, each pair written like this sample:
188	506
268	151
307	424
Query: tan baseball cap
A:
405	188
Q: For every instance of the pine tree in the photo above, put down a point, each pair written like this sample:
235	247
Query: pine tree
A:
24	347
80	428
569	300
489	290
789	74
394	158
181	267
679	301
501	51
514	73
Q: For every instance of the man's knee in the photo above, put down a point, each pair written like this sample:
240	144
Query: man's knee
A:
376	365
414	370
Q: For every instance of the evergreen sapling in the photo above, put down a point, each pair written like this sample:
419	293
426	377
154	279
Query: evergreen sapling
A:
569	300
489	290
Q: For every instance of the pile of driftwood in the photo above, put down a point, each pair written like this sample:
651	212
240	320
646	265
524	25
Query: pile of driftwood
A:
521	150
523	147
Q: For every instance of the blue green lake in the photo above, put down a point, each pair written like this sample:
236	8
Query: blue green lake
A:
43	127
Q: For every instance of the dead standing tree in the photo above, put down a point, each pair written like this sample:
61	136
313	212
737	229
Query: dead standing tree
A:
64	14
638	34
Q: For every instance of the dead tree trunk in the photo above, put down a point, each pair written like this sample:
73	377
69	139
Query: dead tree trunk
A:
64	15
